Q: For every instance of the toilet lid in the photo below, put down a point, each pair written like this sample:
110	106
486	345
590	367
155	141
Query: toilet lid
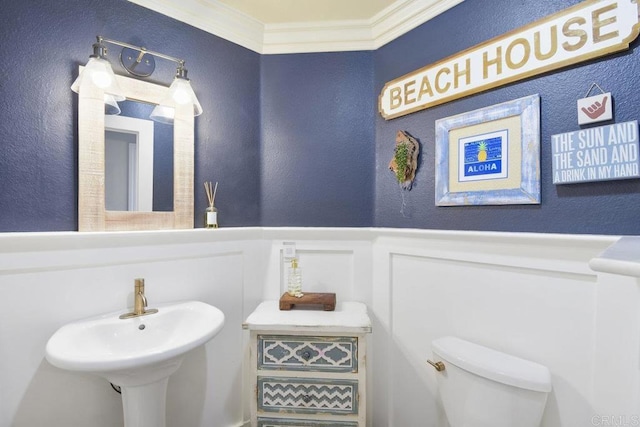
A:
493	364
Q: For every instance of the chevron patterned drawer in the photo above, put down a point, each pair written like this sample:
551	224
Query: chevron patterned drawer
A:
308	395
279	422
318	354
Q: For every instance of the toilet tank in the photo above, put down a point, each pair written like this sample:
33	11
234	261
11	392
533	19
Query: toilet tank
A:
482	387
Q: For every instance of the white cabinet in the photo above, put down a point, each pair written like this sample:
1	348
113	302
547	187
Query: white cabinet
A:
308	367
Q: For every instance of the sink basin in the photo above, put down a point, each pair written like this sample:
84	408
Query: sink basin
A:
107	343
138	354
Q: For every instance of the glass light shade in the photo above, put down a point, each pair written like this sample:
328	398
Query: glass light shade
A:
101	74
111	107
180	92
163	114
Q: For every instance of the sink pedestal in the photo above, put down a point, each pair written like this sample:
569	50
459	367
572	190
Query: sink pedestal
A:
145	405
144	392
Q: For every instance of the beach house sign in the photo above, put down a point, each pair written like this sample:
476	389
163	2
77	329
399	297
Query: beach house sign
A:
588	30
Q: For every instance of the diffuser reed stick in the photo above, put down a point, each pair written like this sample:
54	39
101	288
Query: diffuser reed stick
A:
211	213
211	192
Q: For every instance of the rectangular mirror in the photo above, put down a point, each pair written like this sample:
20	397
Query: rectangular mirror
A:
128	164
93	214
138	160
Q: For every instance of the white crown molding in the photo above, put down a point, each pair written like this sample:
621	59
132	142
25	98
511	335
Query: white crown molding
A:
403	16
301	37
213	17
330	36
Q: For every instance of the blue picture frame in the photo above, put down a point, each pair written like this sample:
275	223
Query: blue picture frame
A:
507	173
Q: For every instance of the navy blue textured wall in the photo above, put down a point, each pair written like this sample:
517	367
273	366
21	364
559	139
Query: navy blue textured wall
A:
596	208
293	139
318	142
42	45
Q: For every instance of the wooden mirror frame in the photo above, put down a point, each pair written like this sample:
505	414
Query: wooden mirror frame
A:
92	214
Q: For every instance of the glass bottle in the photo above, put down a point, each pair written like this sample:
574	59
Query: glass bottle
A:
211	217
294	281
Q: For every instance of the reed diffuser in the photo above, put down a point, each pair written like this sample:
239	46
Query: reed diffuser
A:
211	213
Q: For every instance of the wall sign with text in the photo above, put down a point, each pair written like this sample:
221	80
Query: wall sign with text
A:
588	30
601	153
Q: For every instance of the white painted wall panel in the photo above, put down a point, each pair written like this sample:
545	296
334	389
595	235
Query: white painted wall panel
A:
531	295
542	316
35	300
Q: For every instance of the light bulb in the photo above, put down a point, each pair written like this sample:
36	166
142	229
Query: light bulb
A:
181	97
102	79
181	93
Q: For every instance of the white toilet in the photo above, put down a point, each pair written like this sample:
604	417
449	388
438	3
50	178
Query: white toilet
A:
481	387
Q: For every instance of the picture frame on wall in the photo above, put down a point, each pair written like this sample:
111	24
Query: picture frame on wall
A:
490	156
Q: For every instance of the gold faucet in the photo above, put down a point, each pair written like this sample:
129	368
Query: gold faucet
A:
140	302
140	299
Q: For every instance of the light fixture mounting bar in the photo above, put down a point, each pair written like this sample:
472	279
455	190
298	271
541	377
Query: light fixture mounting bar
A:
142	50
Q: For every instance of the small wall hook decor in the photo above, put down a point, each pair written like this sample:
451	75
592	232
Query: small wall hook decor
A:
596	108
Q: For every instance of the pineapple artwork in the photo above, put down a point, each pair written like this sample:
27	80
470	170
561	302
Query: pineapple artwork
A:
483	156
404	162
482	152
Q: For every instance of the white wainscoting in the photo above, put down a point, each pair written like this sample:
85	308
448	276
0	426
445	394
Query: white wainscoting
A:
531	295
51	279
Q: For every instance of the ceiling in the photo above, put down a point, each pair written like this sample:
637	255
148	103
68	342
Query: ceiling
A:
299	26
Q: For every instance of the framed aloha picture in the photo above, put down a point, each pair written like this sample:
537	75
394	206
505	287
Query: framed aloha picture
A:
490	156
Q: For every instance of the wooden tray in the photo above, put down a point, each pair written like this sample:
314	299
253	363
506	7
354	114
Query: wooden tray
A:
327	301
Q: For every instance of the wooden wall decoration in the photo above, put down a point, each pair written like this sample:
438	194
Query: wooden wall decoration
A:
404	162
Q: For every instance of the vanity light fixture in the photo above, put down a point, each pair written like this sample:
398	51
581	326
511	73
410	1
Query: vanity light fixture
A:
139	62
99	71
180	92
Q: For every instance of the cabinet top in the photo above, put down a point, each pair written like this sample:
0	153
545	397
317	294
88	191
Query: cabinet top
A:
348	317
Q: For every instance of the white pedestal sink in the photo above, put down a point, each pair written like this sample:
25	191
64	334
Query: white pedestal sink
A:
138	354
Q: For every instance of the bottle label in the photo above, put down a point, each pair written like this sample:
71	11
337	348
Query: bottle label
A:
212	218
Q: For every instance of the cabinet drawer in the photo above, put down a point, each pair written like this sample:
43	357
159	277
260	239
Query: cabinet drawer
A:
308	395
318	354
279	422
